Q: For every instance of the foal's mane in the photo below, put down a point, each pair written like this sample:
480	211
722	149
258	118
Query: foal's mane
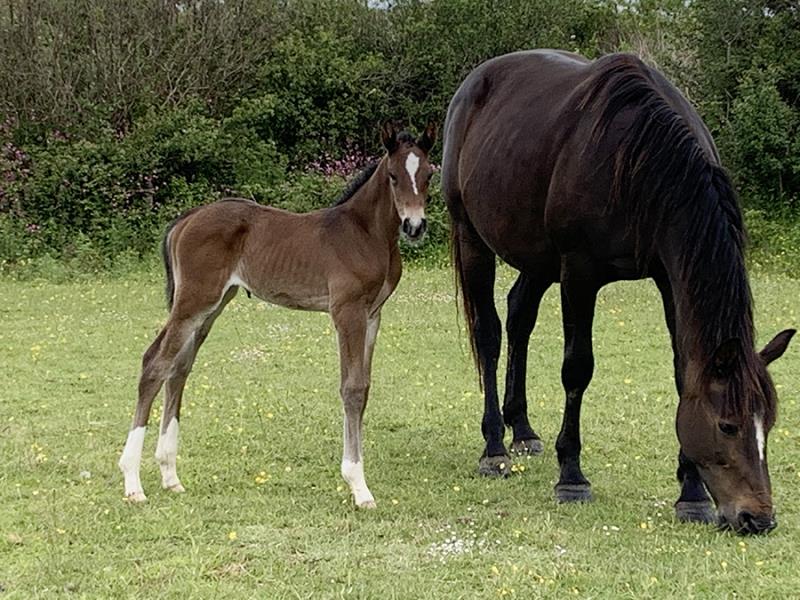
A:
357	182
363	176
661	171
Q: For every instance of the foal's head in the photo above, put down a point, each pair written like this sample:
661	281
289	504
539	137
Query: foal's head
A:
724	418
409	174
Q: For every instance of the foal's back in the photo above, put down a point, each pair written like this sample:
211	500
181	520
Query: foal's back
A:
282	257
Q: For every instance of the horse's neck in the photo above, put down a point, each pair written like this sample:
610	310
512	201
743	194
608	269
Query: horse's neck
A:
711	298
373	205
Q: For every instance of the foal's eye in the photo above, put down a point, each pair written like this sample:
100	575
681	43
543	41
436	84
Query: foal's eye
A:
729	429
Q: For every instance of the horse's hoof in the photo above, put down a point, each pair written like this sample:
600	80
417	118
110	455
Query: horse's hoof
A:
177	488
367	504
573	492
695	512
135	497
494	466
530	447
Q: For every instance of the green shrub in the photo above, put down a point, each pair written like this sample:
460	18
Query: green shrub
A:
762	143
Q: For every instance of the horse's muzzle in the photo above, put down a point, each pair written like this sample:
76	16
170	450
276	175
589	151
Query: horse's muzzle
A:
414	232
747	523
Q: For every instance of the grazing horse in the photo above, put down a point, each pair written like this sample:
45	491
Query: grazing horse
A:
343	260
587	172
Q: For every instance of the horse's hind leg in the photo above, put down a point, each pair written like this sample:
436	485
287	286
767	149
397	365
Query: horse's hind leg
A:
167	448
353	330
523	308
477	274
579	287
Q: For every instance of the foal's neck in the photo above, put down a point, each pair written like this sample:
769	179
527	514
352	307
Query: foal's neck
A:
373	205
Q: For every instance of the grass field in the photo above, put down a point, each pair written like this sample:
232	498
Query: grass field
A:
266	513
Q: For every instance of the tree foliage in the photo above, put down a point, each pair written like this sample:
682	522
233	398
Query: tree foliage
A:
116	116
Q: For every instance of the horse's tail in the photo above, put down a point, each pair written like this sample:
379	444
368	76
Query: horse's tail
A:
466	301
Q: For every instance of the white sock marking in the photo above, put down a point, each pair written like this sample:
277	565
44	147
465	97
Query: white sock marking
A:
167	453
353	474
412	164
131	459
759	423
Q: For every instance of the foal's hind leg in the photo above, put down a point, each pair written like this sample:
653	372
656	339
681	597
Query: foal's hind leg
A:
355	350
693	504
167	449
156	363
523	308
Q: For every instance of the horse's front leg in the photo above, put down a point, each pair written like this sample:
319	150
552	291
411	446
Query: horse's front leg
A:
579	287
356	335
693	504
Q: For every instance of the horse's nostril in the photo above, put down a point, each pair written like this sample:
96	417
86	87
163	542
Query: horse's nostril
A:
751	523
406	226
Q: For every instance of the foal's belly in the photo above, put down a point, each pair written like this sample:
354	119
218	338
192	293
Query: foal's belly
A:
317	302
300	290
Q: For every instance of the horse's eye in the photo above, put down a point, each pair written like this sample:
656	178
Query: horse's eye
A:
728	429
393	177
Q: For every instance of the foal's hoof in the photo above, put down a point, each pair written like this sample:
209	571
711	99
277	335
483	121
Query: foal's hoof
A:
135	497
367	505
695	512
573	492
494	466
530	447
176	488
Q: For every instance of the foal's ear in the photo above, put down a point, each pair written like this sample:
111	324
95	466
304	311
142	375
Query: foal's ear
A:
777	346
428	137
725	358
389	136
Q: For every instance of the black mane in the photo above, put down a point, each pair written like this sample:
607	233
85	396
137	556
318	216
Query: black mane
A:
356	183
660	170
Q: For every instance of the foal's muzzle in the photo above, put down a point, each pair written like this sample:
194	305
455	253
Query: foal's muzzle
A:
414	232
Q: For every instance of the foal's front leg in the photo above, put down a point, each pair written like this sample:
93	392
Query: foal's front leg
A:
356	338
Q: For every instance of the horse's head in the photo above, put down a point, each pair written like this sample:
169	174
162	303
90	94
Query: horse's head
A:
409	174
724	417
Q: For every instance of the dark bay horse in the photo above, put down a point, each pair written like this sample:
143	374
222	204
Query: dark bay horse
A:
585	173
343	260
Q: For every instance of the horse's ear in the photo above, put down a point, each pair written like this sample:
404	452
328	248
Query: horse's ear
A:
725	358
428	137
389	136
777	346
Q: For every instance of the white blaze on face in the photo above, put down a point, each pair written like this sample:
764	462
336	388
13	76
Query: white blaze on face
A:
759	424
416	214
412	166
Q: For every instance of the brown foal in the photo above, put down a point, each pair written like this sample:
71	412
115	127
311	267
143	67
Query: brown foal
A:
343	260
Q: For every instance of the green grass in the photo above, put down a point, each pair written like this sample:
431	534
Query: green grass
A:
263	398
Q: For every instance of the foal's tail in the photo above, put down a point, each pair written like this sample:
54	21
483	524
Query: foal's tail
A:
166	255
